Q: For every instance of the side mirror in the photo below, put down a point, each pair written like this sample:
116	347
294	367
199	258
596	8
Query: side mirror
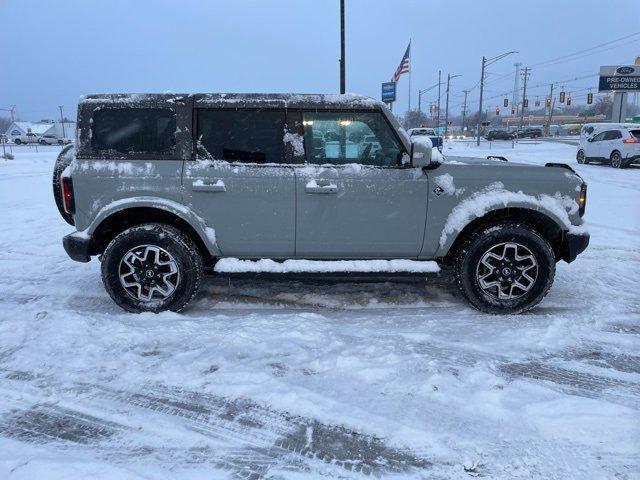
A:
421	149
589	139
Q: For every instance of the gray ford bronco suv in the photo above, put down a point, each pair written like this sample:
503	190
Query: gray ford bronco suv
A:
162	187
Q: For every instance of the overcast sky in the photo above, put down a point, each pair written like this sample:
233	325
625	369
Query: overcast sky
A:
52	52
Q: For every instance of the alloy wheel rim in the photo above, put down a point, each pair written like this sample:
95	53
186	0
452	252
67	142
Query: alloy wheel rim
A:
148	273
507	271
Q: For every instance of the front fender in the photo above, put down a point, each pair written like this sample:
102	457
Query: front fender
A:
206	232
556	208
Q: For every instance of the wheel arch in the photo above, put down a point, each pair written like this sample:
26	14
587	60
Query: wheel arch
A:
112	221
544	224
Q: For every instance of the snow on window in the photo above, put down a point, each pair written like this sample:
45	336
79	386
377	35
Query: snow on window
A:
296	141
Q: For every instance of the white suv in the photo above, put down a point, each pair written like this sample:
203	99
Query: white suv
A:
28	137
617	146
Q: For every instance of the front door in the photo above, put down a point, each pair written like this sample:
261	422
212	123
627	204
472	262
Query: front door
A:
355	198
240	184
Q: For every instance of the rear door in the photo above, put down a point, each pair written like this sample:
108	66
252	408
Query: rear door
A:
595	148
355	198
612	141
240	182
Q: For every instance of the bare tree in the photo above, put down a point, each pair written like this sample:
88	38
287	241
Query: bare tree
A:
5	122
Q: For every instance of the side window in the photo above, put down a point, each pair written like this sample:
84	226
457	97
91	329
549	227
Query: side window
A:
599	137
249	136
614	135
350	137
134	130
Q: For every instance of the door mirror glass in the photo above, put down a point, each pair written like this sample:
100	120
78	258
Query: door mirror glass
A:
421	149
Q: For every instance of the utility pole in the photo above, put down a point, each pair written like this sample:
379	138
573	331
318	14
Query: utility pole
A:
548	132
516	84
525	73
464	108
343	83
438	107
485	63
446	111
64	135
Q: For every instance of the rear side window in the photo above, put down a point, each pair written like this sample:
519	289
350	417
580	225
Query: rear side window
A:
134	130
249	136
613	135
635	133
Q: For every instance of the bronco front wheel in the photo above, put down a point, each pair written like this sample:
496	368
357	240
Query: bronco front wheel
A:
505	269
151	268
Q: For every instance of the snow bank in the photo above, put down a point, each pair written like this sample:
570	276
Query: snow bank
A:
495	195
235	265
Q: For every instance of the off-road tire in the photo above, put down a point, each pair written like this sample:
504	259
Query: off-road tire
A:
580	157
176	243
468	257
62	162
615	160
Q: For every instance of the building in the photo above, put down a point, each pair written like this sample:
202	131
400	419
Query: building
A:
41	128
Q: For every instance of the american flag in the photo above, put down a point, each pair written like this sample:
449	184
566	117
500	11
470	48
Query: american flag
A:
404	65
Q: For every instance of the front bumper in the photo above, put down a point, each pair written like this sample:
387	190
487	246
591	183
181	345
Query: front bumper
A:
575	244
77	247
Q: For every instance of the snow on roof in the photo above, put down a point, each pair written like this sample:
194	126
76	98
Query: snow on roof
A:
36	127
282	100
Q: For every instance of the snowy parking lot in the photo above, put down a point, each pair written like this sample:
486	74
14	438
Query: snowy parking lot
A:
260	379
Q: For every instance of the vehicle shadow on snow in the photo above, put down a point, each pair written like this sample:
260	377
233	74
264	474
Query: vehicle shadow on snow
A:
221	291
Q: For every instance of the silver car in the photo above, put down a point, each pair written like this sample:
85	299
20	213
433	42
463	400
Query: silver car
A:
161	187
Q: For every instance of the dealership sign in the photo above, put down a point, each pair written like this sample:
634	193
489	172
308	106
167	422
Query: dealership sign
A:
621	78
389	92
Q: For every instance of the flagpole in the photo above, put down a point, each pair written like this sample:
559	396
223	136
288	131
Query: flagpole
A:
410	68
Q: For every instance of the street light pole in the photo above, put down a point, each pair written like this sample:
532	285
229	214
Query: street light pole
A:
438	107
485	62
446	108
464	108
64	135
343	83
525	74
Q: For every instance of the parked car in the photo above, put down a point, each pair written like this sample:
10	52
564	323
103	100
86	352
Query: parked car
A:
160	186
50	139
620	147
436	140
590	130
528	133
498	135
28	137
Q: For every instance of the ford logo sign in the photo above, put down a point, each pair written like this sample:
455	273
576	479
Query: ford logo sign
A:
625	70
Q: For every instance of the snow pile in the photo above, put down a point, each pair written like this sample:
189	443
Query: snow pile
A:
496	195
445	182
235	265
296	141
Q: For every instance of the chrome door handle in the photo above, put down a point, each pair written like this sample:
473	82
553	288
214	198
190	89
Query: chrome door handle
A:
201	186
313	187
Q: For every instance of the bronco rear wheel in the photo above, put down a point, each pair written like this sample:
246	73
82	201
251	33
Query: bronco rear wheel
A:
151	268
505	269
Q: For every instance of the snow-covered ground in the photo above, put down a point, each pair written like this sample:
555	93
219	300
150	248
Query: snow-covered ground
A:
259	379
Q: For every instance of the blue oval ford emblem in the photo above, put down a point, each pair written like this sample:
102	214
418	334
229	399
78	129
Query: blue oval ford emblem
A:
625	70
